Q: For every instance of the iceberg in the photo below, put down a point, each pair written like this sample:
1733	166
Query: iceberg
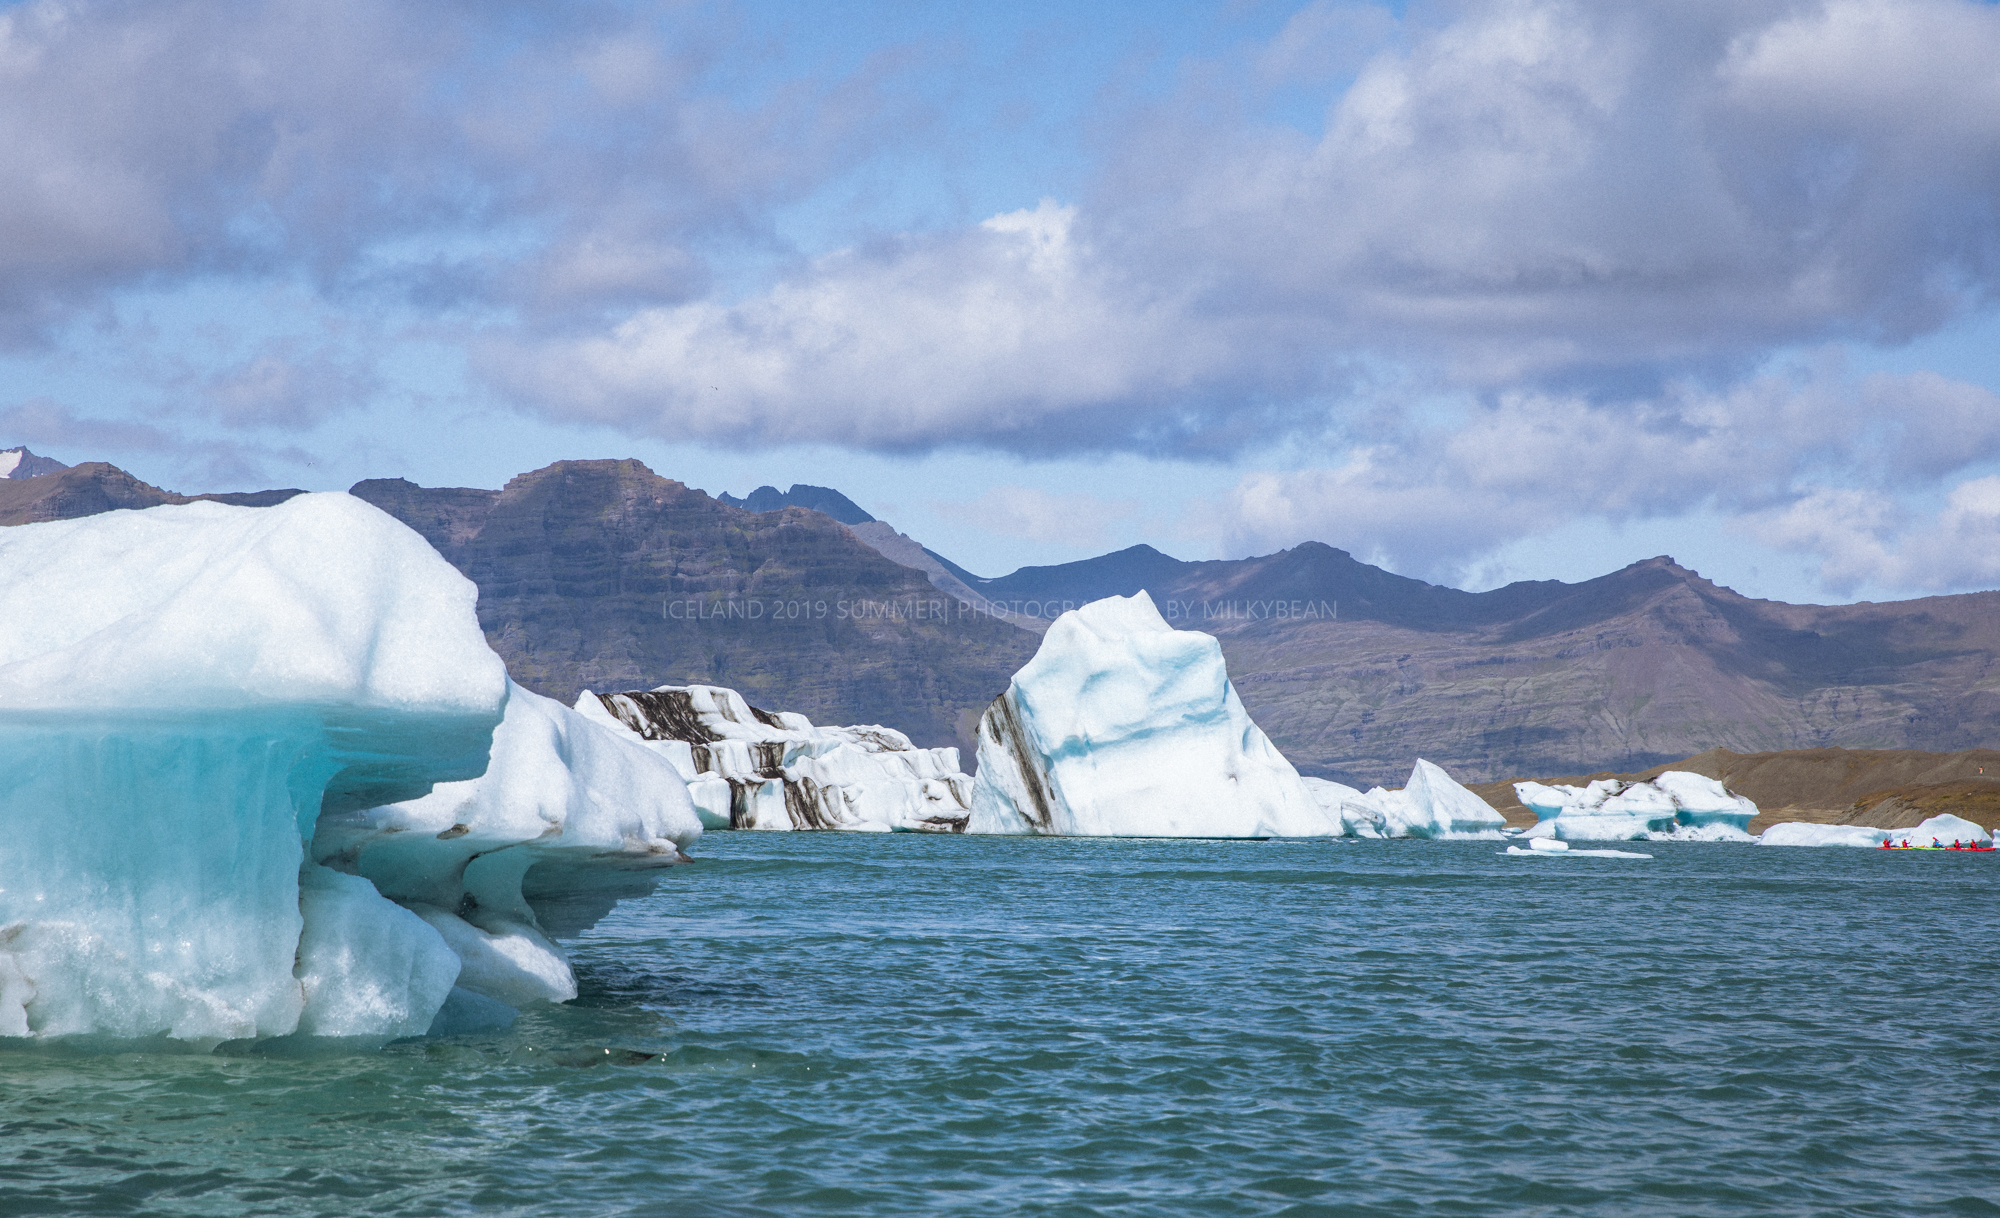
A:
1549	847
1676	806
1432	804
747	768
1944	829
188	695
567	820
1122	726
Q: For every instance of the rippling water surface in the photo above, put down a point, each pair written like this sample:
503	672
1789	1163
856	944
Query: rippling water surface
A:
876	1024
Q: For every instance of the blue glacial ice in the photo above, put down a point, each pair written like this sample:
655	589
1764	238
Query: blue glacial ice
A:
186	695
1676	806
569	818
1122	726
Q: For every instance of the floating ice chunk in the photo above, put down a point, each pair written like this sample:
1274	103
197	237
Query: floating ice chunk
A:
368	968
1439	807
570	817
1122	726
1545	847
752	769
1430	805
1353	813
1676	806
1944	830
1799	833
182	691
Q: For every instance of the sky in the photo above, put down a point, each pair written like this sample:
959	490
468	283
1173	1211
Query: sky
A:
1476	291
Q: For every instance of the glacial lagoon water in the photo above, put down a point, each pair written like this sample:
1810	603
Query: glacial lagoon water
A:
876	1024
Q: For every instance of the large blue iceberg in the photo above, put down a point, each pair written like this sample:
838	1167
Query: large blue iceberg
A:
189	694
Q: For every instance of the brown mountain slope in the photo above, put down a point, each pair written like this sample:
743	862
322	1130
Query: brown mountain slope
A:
93	487
1646	665
604	575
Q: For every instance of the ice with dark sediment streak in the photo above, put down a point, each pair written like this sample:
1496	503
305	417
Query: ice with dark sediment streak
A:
187	694
1122	726
748	768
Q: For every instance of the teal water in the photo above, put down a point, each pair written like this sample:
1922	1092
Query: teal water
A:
877	1024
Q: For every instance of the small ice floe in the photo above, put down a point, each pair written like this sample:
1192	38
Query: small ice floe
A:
1432	804
1677	806
1550	846
1944	830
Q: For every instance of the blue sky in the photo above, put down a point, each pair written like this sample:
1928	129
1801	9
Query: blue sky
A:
1478	291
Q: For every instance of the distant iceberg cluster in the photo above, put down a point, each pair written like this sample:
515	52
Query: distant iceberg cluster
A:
1432	805
1676	806
190	695
747	768
1122	726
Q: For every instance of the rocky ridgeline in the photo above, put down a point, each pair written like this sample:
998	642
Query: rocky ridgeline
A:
604	575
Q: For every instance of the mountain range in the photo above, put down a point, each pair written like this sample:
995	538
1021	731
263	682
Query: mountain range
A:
20	463
603	574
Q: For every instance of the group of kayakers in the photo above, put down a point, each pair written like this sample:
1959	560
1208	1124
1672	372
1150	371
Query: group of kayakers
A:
1935	845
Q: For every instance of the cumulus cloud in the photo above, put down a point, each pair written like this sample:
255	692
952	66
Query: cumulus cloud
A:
1530	196
1867	539
1430	498
1015	334
510	155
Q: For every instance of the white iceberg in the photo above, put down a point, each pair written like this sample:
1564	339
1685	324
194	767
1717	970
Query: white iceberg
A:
1431	805
186	694
1122	726
1676	806
1944	830
569	818
747	768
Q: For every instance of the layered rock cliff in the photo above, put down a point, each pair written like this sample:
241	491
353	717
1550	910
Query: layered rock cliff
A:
604	575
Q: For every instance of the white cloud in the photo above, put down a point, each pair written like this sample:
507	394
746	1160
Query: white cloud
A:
1866	539
1432	499
1533	196
549	160
1014	334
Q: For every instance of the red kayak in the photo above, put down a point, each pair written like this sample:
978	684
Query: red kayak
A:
1935	845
